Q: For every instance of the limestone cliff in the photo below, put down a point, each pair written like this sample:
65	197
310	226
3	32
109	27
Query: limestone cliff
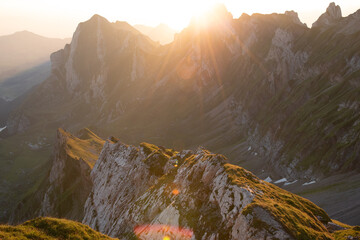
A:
151	192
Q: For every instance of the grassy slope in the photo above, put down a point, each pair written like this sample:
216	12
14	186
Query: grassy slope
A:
296	214
348	232
49	229
86	147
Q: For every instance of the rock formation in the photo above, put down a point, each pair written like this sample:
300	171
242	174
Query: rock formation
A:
332	15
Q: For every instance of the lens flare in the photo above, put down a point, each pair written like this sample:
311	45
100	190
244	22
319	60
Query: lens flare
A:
164	232
175	191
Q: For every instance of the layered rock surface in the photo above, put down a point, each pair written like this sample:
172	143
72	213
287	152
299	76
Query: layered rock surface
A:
150	192
150	186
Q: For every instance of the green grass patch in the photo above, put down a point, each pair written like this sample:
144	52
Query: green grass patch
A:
50	229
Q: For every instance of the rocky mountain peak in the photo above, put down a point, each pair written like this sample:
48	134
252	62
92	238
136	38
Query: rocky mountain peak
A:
295	17
96	18
334	11
332	14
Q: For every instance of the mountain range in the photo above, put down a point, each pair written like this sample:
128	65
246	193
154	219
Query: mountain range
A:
161	33
276	97
24	50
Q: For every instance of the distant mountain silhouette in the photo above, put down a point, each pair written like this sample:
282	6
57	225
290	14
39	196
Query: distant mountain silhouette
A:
23	50
161	33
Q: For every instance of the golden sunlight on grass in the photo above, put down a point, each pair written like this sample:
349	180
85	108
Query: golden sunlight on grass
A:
50	229
87	147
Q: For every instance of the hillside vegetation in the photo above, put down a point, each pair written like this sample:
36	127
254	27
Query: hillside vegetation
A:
50	229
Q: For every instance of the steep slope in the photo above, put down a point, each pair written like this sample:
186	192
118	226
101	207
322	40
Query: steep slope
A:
151	192
24	50
161	33
275	96
49	229
67	186
95	77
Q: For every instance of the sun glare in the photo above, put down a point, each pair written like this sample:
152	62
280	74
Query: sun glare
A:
196	9
40	16
201	7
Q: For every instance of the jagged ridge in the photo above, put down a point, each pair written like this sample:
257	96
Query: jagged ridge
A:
151	192
216	200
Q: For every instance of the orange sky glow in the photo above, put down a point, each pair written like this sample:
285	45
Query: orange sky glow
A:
60	18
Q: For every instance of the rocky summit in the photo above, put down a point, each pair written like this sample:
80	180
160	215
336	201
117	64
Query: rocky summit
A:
332	14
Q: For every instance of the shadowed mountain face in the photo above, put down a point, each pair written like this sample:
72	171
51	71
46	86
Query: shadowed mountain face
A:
275	96
24	50
20	83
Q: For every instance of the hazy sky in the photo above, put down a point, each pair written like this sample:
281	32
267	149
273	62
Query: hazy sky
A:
54	18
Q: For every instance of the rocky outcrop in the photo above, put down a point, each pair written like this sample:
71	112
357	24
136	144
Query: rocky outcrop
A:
332	15
69	180
295	17
151	191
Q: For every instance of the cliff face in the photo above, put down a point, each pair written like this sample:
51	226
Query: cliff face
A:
64	191
69	178
151	191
